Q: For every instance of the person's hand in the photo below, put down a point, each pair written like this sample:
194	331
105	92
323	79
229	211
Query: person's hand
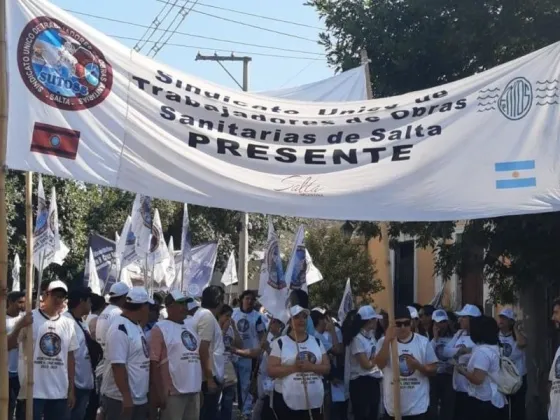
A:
71	401
391	333
162	402
25	321
412	362
461	369
127	406
462	351
307	366
330	325
265	346
299	365
212	386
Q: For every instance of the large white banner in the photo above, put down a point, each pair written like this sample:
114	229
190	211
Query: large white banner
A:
83	106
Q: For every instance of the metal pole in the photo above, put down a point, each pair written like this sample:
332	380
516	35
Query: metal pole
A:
29	270
4	393
244	235
390	287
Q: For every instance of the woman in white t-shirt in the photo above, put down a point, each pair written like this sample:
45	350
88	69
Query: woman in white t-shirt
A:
298	362
365	376
458	351
485	401
513	343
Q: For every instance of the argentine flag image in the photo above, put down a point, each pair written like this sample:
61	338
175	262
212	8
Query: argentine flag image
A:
515	174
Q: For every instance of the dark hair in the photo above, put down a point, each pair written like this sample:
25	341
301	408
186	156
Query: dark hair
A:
298	297
116	299
97	302
428	309
15	296
351	326
316	317
235	302
225	309
78	295
484	330
379	330
247	293
480	308
212	297
158	298
44	285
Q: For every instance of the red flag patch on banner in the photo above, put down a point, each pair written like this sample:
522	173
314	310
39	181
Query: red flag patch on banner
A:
53	140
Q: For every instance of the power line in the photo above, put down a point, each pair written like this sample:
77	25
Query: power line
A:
222	50
298	73
156	22
139	25
249	25
259	16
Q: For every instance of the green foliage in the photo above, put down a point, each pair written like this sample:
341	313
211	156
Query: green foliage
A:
338	259
417	44
85	208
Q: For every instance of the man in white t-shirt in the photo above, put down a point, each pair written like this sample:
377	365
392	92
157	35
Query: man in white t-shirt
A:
124	389
117	298
211	349
54	344
14	312
417	361
554	375
79	305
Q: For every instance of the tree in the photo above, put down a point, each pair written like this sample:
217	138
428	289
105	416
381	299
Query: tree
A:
415	45
339	258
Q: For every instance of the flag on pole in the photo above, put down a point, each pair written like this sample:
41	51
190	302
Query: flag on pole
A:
347	303
141	224
40	234
272	282
186	247
301	272
15	274
229	277
171	271
93	283
126	246
158	258
117	237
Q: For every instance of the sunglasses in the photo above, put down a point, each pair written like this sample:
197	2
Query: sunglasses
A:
401	324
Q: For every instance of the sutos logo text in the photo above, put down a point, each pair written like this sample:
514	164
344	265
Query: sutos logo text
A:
61	67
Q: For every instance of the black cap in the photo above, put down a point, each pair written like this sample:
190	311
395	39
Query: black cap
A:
402	312
428	309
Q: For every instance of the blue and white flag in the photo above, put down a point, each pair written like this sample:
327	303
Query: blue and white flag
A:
94	283
301	272
273	290
41	231
201	268
347	303
171	271
158	258
103	251
141	224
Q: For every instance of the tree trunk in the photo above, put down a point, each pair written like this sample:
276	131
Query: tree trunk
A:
536	313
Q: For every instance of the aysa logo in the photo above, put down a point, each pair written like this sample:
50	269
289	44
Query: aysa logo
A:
61	67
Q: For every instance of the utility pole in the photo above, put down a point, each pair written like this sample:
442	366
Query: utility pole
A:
244	217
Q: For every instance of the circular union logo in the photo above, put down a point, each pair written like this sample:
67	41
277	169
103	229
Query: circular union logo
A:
189	341
145	347
50	344
193	289
507	349
242	325
516	99
403	367
307	355
61	67
228	341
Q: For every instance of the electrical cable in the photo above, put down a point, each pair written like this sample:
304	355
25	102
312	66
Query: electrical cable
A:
156	22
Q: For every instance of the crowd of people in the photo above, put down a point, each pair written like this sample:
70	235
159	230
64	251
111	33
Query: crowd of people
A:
130	355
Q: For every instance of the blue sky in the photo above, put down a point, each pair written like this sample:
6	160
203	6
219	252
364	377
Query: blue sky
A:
266	73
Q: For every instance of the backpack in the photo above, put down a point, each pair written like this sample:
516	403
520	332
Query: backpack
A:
507	378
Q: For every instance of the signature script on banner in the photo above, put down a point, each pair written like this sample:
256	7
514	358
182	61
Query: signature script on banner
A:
301	185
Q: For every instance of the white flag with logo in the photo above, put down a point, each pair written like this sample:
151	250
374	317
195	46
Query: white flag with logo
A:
229	277
41	231
126	247
347	303
54	250
141	224
272	283
171	272
201	268
158	258
301	272
15	274
94	283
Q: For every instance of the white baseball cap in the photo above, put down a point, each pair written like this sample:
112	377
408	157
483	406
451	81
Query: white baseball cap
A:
413	312
192	303
508	313
296	310
440	315
367	312
138	294
57	284
175	296
469	310
118	289
322	311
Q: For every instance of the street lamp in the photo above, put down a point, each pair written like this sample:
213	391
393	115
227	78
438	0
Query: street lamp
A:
347	229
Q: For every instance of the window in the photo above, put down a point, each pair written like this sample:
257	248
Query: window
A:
404	273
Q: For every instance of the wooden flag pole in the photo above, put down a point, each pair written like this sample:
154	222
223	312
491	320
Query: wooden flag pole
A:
390	292
4	383
29	270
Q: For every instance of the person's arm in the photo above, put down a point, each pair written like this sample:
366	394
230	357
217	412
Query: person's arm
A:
14	337
261	329
71	377
237	340
322	368
359	352
449	351
93	327
480	363
206	327
383	353
157	388
116	355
